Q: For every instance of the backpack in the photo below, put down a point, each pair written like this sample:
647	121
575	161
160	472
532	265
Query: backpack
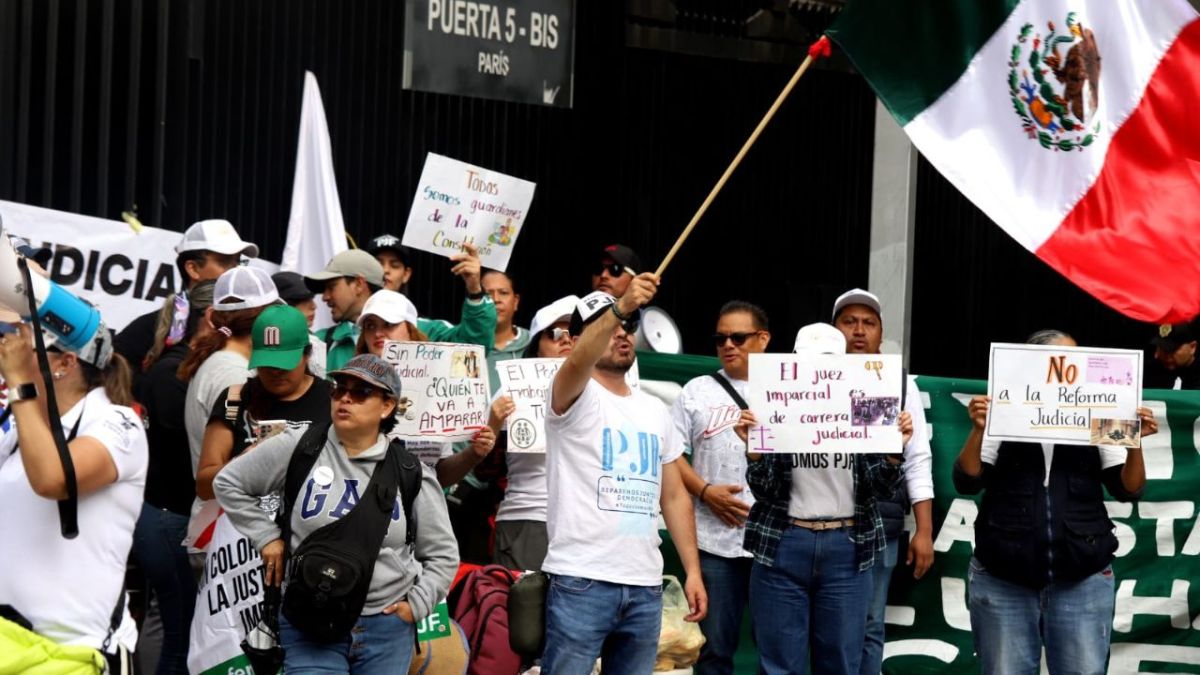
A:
330	572
480	606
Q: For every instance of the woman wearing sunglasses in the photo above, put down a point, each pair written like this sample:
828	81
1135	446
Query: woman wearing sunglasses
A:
389	316
521	520
407	582
283	394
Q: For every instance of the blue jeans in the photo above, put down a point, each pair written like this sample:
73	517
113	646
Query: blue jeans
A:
812	601
1011	623
158	546
586	619
881	573
728	583
379	644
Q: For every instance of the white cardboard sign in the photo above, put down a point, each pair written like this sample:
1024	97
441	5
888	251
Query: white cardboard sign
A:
526	381
809	403
443	389
459	203
1068	395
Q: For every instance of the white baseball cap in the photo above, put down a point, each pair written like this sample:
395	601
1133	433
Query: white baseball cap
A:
243	288
217	236
390	306
857	296
820	338
559	310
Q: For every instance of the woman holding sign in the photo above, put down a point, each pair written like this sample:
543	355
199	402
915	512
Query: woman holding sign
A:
521	540
1042	570
388	316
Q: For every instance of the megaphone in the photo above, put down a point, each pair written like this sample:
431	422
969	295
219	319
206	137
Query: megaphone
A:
73	321
658	333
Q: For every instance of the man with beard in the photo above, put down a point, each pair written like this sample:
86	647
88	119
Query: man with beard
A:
611	462
345	284
618	265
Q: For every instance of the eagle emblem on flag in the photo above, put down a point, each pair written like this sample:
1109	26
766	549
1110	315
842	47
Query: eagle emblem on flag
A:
1055	84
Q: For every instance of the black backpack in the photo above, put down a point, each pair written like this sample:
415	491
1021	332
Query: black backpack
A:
329	573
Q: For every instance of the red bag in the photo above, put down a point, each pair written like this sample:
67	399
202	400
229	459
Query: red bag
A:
480	606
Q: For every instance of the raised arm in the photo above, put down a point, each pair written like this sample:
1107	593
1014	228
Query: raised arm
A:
573	376
968	468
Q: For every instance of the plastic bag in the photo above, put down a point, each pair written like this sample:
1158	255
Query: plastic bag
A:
680	641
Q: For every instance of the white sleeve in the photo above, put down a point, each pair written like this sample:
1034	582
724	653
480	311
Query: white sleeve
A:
587	405
1111	455
673	444
120	431
918	458
681	417
989	451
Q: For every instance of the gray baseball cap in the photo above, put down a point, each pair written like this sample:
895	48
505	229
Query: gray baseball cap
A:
353	263
374	371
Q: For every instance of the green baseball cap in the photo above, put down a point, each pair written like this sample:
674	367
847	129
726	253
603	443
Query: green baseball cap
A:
278	338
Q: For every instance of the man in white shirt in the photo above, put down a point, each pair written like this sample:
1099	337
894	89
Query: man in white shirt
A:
611	462
857	314
705	415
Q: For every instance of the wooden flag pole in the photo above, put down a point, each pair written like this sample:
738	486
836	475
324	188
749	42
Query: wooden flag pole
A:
819	48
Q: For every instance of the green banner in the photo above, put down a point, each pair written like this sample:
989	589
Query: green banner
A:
1154	627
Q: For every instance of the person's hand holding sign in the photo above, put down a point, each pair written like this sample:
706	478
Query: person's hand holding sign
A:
469	268
1149	424
502	407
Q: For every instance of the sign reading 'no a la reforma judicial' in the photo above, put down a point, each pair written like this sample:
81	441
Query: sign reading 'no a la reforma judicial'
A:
510	50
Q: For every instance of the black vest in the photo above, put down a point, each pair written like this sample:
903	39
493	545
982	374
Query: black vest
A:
1021	522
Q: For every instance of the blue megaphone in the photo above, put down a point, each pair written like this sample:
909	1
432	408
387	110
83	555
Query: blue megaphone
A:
73	321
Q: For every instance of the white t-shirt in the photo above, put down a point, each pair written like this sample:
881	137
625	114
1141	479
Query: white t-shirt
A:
525	497
705	415
68	588
822	486
1110	456
604	466
219	371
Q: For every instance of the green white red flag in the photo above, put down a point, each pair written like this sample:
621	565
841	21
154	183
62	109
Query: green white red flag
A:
1073	124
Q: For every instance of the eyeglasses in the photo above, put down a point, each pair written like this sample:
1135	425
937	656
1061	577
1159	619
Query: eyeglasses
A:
738	339
614	269
556	334
358	393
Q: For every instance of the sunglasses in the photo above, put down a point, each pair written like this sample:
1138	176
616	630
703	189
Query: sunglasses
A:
738	339
614	269
358	393
556	334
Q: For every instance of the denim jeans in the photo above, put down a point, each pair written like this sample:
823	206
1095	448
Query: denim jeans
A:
158	546
811	603
881	573
586	619
728	583
379	644
1011	623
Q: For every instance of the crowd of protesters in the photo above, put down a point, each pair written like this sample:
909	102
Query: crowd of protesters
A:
214	396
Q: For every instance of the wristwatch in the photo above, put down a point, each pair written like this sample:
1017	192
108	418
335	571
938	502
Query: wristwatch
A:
476	296
26	391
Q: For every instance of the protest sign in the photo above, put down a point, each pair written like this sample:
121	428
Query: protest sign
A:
828	403
458	203
526	381
125	273
444	390
228	602
1069	395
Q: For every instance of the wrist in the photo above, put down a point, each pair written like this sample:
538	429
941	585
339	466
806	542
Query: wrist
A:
703	490
622	315
474	293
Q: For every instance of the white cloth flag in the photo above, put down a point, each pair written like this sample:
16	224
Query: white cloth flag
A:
316	229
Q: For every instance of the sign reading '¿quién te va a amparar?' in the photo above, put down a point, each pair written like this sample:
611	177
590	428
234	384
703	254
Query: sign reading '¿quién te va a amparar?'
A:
526	382
443	390
1067	395
845	403
459	203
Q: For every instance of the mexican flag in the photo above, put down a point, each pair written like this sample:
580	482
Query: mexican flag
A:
1073	124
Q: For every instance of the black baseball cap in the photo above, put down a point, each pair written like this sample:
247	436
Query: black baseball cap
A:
1172	335
390	242
623	256
291	287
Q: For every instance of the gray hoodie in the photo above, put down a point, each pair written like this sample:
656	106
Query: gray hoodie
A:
332	488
